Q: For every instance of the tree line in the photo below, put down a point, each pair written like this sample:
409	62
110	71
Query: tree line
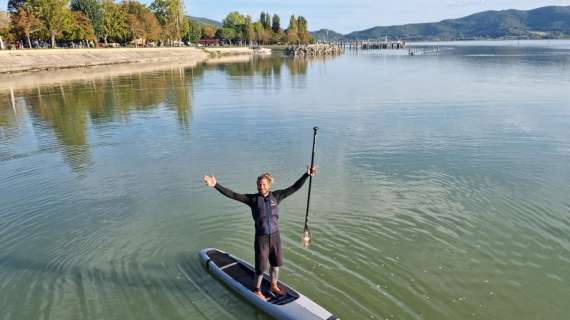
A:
238	28
162	22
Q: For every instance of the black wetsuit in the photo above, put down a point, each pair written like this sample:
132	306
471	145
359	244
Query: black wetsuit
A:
265	214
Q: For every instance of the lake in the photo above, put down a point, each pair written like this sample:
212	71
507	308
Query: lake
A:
443	190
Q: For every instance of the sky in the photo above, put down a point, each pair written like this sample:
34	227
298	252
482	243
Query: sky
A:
345	16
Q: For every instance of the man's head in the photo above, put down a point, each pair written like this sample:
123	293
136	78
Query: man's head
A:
264	182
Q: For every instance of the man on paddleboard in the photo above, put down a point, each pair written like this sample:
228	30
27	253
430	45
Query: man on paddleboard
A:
265	213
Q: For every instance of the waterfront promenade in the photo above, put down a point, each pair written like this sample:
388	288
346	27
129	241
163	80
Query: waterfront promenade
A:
19	61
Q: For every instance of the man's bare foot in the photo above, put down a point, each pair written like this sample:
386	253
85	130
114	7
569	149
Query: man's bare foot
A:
276	290
259	294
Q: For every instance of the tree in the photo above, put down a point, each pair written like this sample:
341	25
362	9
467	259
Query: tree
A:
292	36
114	21
208	31
226	34
263	35
195	31
93	10
262	18
26	22
249	30
276	24
303	32
136	28
4	28
142	24
170	15
234	20
54	15
81	27
151	26
267	21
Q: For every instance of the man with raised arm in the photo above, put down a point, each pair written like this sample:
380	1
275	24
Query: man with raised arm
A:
265	214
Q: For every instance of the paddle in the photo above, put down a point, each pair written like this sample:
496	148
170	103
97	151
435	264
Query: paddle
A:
306	238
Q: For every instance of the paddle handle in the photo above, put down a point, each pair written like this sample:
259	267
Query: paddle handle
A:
311	177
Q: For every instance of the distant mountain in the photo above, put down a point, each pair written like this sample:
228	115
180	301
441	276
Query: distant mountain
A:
207	21
545	22
326	35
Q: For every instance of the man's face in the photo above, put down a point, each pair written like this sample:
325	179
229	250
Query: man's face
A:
263	186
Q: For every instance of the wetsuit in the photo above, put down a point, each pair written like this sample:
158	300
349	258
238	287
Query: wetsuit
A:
265	214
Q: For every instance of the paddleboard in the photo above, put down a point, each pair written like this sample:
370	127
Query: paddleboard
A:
239	275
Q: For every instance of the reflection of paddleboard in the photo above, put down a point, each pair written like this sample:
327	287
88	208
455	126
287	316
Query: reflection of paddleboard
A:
239	275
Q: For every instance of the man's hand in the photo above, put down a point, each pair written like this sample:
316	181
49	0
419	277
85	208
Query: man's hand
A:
210	181
312	171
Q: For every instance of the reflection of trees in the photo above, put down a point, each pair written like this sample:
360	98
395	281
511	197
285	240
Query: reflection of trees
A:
68	109
8	122
7	116
297	66
66	114
269	66
265	67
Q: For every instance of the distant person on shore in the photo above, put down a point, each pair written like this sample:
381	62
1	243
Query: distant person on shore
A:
265	213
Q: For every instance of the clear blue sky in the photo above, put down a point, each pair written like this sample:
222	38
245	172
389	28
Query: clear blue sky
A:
351	15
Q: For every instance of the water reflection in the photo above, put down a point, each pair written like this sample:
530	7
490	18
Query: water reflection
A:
68	109
270	66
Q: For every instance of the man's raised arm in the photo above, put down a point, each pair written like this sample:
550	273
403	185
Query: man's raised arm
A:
212	183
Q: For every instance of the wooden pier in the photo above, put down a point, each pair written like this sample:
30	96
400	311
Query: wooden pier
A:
434	50
371	45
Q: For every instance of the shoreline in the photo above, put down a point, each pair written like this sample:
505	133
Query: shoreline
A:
21	69
23	61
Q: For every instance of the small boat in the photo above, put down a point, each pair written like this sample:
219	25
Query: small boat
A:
239	275
262	51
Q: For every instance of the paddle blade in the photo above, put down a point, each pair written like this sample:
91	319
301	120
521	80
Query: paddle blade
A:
306	238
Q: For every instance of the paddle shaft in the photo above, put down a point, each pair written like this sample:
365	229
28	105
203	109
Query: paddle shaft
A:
310	177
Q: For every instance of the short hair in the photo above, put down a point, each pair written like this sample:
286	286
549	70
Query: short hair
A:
267	176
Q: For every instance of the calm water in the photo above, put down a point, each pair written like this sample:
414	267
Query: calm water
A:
443	191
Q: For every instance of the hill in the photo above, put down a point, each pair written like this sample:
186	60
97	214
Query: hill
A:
541	23
215	23
326	35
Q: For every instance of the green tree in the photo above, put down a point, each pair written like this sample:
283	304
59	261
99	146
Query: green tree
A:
263	35
234	20
267	21
249	30
226	34
195	31
262	18
80	28
54	15
276	24
114	21
93	10
170	15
